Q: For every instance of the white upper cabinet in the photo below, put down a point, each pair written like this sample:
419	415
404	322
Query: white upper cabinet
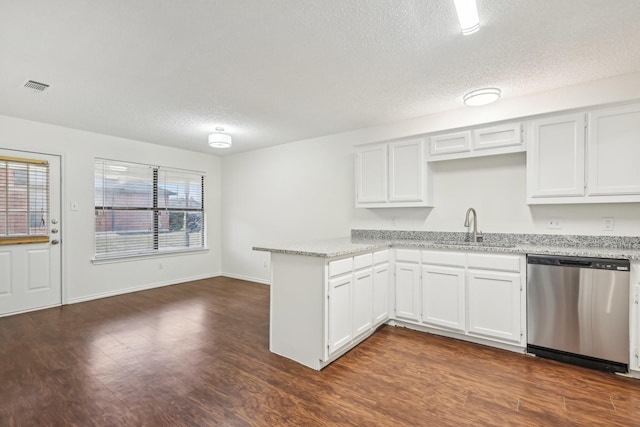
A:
555	160
614	151
506	135
482	141
455	142
393	174
406	171
585	158
371	175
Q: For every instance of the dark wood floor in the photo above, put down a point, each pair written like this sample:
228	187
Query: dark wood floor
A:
197	354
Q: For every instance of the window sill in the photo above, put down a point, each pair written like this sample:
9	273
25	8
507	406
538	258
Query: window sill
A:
128	258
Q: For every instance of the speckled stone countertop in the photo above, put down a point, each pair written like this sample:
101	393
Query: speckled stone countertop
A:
619	247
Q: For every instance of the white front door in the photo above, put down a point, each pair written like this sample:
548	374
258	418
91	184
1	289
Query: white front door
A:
30	254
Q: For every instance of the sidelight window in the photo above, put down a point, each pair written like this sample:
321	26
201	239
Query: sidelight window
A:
144	209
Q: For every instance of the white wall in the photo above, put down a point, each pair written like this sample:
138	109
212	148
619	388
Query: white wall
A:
83	280
305	190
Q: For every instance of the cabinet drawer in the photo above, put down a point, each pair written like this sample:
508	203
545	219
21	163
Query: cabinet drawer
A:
457	259
408	255
381	257
362	261
495	262
341	266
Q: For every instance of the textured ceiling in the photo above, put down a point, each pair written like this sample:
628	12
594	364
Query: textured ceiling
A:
270	72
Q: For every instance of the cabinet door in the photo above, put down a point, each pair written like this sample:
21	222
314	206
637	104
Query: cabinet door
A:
406	171
614	151
456	142
494	305
408	291
340	330
506	135
555	157
380	294
362	302
371	175
443	296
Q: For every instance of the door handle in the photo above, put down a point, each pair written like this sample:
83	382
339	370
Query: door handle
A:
54	230
55	242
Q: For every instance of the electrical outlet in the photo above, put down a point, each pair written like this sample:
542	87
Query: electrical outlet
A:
160	266
554	223
607	224
265	264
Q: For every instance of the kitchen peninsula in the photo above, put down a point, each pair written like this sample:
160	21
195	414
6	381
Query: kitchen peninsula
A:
328	296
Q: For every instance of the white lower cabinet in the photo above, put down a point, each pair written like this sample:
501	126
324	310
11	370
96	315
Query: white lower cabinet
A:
362	302
340	312
443	290
494	304
381	293
407	291
472	294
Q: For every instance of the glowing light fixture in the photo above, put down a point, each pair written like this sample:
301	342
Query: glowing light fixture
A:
219	139
481	96
468	16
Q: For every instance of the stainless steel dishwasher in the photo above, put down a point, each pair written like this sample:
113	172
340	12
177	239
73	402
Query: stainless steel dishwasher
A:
578	310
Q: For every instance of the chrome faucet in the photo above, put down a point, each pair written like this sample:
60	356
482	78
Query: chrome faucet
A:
477	235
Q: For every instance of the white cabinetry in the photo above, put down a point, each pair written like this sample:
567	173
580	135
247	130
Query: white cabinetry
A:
371	175
585	158
443	289
482	141
393	174
407	284
494	304
475	295
443	296
362	295
555	160
381	287
340	331
614	151
321	308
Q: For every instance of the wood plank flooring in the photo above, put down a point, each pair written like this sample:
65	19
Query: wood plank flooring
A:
196	354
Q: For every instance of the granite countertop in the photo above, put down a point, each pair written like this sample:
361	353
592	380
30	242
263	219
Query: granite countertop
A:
369	240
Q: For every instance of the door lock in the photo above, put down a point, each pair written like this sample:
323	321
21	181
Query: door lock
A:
54	230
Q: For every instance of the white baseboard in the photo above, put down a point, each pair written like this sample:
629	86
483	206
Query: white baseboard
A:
247	278
140	288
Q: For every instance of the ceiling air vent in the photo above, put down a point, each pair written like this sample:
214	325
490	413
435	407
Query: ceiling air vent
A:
37	86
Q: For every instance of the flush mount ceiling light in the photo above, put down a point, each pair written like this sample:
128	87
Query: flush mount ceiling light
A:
219	139
481	96
468	16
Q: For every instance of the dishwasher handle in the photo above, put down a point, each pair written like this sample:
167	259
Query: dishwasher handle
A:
575	262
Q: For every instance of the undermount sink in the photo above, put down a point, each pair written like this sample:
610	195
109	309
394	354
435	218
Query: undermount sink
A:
480	244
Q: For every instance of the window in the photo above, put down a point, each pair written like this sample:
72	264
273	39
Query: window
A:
24	200
143	209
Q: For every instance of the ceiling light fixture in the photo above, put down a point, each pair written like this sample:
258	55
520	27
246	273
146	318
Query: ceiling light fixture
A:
468	16
219	140
481	96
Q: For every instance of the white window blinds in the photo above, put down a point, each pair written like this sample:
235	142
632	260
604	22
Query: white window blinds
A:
24	200
142	209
